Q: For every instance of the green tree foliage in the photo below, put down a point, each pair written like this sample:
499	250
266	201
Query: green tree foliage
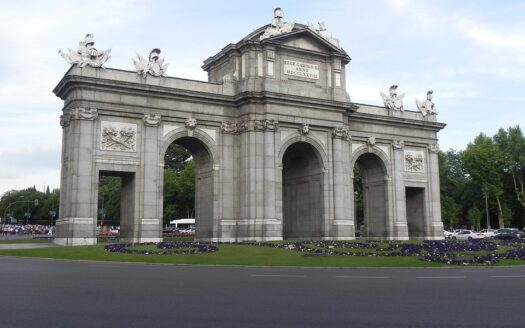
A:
20	202
474	218
179	184
484	162
450	212
109	189
512	143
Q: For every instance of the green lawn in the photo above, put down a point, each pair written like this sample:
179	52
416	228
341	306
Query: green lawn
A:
227	255
233	254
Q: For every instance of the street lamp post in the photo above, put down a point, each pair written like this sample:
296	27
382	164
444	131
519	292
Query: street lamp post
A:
35	202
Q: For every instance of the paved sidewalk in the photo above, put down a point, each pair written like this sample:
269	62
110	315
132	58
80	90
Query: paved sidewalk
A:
26	246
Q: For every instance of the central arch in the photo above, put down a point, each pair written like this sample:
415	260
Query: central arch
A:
302	185
375	196
204	180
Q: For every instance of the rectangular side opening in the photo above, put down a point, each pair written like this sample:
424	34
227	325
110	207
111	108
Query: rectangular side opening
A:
415	211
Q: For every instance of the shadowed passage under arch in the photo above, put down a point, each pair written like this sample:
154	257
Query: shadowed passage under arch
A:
374	195
302	192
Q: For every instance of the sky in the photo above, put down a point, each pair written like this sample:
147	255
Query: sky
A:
471	53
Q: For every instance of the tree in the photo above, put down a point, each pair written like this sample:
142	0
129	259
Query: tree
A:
179	184
484	163
474	218
512	145
450	211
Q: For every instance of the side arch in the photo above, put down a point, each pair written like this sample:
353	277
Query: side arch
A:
375	171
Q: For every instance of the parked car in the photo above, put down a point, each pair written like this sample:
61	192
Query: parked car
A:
489	233
468	235
509	233
448	234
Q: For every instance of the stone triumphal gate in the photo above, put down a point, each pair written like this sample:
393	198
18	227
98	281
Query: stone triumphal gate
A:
274	136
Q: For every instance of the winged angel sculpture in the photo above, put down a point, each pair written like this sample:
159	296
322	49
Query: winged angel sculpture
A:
154	65
393	102
86	54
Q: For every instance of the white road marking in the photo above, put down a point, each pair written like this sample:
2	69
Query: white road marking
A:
279	275
515	276
363	277
442	277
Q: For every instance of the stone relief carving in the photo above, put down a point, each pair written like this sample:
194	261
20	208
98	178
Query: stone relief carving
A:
271	124
324	33
371	141
64	120
398	144
86	54
304	129
152	119
433	148
341	133
259	125
413	161
250	125
154	65
230	127
277	26
89	114
190	123
119	136
393	102
427	107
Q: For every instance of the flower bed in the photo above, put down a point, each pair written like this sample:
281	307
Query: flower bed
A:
163	248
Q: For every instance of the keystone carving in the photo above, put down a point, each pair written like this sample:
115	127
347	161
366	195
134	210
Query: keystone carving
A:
304	129
371	141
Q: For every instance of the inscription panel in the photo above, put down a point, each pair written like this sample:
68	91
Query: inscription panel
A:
300	69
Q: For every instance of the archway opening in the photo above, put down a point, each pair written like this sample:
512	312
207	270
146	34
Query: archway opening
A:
415	205
116	205
371	196
303	213
188	189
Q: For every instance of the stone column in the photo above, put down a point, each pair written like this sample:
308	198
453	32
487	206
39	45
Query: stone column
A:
400	216
78	201
343	224
272	227
434	224
229	182
148	223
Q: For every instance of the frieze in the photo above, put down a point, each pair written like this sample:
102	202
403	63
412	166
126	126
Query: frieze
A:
398	144
152	120
414	161
230	127
89	114
433	148
341	133
118	136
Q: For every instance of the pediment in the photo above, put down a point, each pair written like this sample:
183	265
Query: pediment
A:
302	37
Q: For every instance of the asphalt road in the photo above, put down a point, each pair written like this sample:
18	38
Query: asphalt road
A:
53	293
